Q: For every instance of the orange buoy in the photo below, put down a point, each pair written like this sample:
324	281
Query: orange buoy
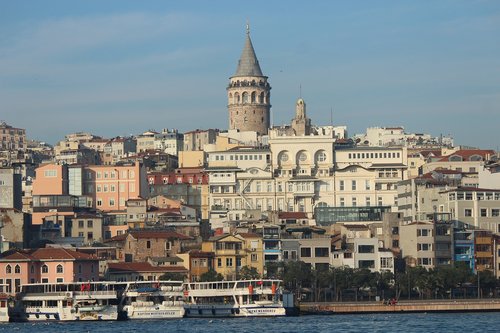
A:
273	289
250	289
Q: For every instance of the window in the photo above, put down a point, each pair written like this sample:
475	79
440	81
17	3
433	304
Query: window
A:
354	185
423	232
305	252
385	263
90	236
90	224
254	257
45	269
50	173
366	263
59	269
424	247
341	202
495	212
468	212
32	269
367	185
229	262
484	212
8	269
366	249
354	202
341	185
368	203
321	252
17	269
148	244
59	280
81	224
219	262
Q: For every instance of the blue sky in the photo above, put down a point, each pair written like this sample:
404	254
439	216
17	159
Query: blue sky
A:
122	67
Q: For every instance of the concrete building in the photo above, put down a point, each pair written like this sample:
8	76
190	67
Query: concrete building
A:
396	136
12	138
90	227
475	207
197	139
10	189
249	94
364	253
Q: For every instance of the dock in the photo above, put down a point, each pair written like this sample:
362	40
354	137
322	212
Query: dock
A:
471	305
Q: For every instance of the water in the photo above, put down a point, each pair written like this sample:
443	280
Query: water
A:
445	322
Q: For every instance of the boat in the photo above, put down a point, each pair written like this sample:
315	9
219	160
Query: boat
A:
242	298
69	301
153	300
5	299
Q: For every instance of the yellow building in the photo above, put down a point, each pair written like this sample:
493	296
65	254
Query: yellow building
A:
234	251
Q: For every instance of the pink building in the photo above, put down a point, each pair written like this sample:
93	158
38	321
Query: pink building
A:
47	265
66	190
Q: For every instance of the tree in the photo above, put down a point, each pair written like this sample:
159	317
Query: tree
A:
248	273
173	276
210	276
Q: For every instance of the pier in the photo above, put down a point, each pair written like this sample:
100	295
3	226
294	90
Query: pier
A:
479	305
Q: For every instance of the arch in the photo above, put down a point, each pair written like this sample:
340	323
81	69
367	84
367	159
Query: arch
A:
320	156
32	269
252	98
17	269
321	204
455	158
261	98
236	98
8	269
244	97
231	98
283	157
476	157
268	96
59	269
302	157
45	269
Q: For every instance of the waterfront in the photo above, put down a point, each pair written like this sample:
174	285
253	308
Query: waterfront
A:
449	322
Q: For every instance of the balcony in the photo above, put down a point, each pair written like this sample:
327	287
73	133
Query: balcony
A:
483	240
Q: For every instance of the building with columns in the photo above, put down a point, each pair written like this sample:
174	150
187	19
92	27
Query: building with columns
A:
249	94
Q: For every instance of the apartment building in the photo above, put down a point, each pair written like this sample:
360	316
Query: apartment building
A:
12	138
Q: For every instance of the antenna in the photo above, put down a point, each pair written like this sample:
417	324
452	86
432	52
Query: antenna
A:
248	27
300	90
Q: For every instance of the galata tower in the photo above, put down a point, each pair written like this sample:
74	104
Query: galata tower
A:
249	93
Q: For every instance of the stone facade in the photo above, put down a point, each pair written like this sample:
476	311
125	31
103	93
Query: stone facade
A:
249	94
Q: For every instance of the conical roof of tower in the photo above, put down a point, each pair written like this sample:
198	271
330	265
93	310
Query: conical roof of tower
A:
248	65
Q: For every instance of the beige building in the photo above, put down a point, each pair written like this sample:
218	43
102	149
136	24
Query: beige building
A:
12	138
88	226
234	251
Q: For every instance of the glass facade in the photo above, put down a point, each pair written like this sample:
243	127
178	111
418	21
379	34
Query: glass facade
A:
326	216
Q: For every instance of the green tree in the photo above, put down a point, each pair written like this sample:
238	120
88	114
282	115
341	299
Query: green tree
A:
173	276
248	273
210	276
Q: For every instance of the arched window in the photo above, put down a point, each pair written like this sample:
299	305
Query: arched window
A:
476	158
322	204
261	98
320	156
268	96
32	269
45	269
8	269
244	97
302	156
455	158
17	269
252	98
237	98
231	98
59	269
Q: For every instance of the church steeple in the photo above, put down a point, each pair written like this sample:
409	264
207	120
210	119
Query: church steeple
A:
248	65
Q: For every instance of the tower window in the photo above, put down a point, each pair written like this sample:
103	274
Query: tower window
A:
244	97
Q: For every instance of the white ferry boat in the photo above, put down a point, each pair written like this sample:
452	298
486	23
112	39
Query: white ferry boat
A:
153	300
5	298
244	298
69	301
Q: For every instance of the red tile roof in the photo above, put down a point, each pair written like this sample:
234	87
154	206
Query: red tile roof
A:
159	234
46	254
292	215
466	154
